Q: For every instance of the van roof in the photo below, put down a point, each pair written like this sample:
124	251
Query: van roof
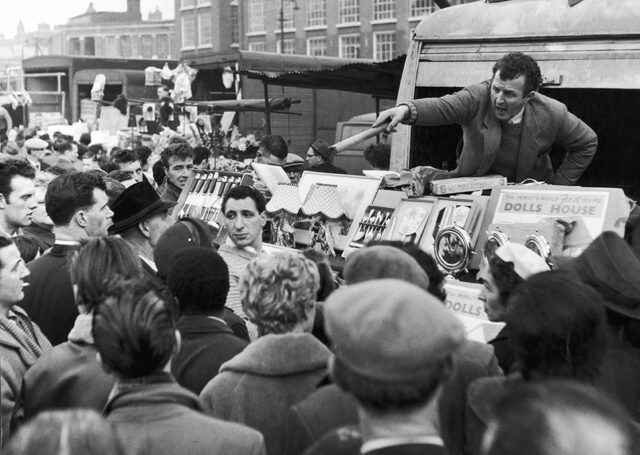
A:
517	19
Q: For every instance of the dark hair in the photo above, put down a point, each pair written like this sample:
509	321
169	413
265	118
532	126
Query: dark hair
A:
524	420
181	150
27	246
143	153
98	260
123	156
276	145
5	242
133	329
114	187
82	150
121	103
158	172
384	396
59	170
426	262
200	154
68	193
96	150
72	431
505	278
516	64
9	169
199	279
85	139
327	283
121	176
557	327
62	146
379	155
243	192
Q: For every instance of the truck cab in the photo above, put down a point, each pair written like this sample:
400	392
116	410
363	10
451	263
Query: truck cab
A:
589	54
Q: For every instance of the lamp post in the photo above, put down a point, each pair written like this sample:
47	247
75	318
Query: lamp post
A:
295	8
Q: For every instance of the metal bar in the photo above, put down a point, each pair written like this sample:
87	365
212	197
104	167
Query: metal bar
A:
267	105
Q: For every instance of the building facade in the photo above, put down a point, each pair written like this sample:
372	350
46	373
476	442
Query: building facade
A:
117	35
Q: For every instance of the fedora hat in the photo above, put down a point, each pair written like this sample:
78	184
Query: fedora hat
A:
135	204
322	148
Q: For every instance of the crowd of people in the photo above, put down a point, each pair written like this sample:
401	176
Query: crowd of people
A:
123	331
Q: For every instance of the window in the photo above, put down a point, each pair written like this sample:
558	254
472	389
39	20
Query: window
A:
125	46
384	45
204	28
235	25
289	46
90	46
349	46
317	46
288	15
316	13
146	46
74	46
187	3
162	46
110	49
258	46
421	8
384	9
256	16
348	11
188	30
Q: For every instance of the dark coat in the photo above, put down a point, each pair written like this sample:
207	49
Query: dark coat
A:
206	345
171	192
157	416
68	376
258	386
504	352
327	168
43	235
49	299
545	122
329	407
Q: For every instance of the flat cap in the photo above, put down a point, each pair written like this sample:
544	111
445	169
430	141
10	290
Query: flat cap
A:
390	329
35	143
383	261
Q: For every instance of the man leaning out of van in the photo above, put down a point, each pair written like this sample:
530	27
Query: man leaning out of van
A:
508	127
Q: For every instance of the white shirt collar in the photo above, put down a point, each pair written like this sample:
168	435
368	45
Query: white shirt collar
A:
516	119
150	263
377	444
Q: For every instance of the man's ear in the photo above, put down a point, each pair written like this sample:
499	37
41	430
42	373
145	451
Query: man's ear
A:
81	218
178	345
263	219
529	95
3	201
144	228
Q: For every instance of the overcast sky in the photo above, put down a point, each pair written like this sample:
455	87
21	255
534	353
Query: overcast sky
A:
55	12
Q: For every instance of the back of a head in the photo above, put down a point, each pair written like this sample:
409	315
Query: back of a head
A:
426	262
557	325
98	260
143	152
133	329
199	279
378	155
69	432
327	282
124	156
393	342
187	232
278	291
68	193
375	262
558	418
200	154
276	145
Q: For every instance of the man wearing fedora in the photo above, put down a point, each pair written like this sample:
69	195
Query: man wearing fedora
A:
140	217
320	158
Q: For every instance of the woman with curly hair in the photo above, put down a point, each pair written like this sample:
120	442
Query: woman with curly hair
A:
258	386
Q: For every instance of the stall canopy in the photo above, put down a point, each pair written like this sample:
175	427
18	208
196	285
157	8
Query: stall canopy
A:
379	79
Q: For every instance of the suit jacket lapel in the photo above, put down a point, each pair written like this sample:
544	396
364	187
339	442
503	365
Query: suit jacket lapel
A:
492	136
528	144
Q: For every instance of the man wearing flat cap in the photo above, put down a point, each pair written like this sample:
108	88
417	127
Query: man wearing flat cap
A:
320	158
393	351
140	217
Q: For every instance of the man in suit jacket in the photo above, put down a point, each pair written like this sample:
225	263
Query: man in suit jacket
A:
78	206
508	127
141	217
